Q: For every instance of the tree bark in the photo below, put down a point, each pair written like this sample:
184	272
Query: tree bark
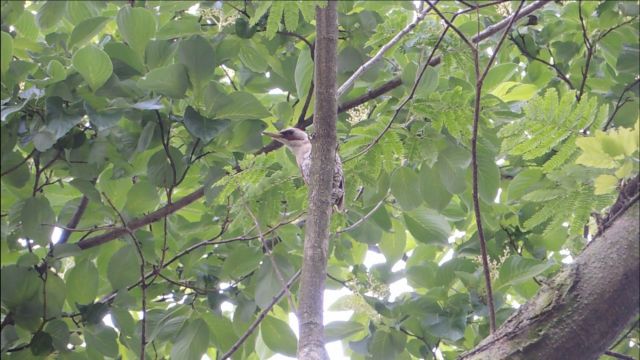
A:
579	314
314	267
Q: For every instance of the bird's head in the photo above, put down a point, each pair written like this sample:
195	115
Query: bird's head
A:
291	137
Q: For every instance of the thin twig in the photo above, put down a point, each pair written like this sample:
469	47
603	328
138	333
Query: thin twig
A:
620	103
165	145
394	40
407	99
16	166
259	319
275	266
618	355
300	37
233	85
143	287
450	25
480	76
588	56
364	218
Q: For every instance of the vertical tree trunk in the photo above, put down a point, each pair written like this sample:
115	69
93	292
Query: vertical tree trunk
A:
314	268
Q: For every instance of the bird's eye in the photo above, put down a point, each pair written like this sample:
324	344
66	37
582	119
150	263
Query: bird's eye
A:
287	133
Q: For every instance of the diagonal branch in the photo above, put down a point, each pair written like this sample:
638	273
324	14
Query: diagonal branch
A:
259	319
394	40
620	103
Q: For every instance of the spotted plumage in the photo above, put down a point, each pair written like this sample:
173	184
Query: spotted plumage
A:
298	142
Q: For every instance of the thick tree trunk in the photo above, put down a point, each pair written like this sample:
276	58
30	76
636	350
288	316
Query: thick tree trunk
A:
314	267
583	309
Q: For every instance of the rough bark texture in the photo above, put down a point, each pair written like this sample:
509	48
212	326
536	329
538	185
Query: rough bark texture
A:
583	309
314	267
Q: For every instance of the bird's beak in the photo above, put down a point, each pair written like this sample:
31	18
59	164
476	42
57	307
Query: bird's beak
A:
275	136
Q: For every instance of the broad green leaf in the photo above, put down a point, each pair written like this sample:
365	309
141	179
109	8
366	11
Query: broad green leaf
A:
393	243
122	52
41	344
19	285
338	330
82	283
278	336
513	91
242	105
446	326
522	182
160	170
59	331
427	226
404	184
87	189
303	73
252	59
6	51
499	74
196	54
137	26
488	174
101	339
387	345
50	14
87	29
275	16
124	267
242	261
291	18
78	11
38	220
205	129
171	81
433	192
593	155
179	28
56	293
146	136
18	177
142	197
56	71
517	269
605	184
94	65
192	341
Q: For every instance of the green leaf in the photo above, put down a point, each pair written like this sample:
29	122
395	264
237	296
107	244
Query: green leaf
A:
387	345
273	22
488	174
522	182
56	293
160	170
427	226
6	52
124	267
303	73
514	91
593	155
196	54
403	187
137	26
101	339
605	184
433	192
19	285
50	14
201	127
192	341
338	330
252	58
241	261
242	105
59	332
41	344
146	136
82	283
87	29
499	74
393	243
291	18
38	220
517	269
179	28
278	336
94	65
170	80
122	52
142	197
87	189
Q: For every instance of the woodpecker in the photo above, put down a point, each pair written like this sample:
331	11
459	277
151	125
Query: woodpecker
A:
298	142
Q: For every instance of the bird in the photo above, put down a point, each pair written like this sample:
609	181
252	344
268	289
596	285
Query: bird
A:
297	141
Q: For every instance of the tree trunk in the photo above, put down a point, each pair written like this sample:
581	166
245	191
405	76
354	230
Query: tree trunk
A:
579	314
314	267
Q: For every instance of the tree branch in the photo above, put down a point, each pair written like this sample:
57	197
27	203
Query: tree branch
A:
259	319
620	103
480	76
394	40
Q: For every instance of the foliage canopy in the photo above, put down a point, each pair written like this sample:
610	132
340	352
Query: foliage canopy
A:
132	136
